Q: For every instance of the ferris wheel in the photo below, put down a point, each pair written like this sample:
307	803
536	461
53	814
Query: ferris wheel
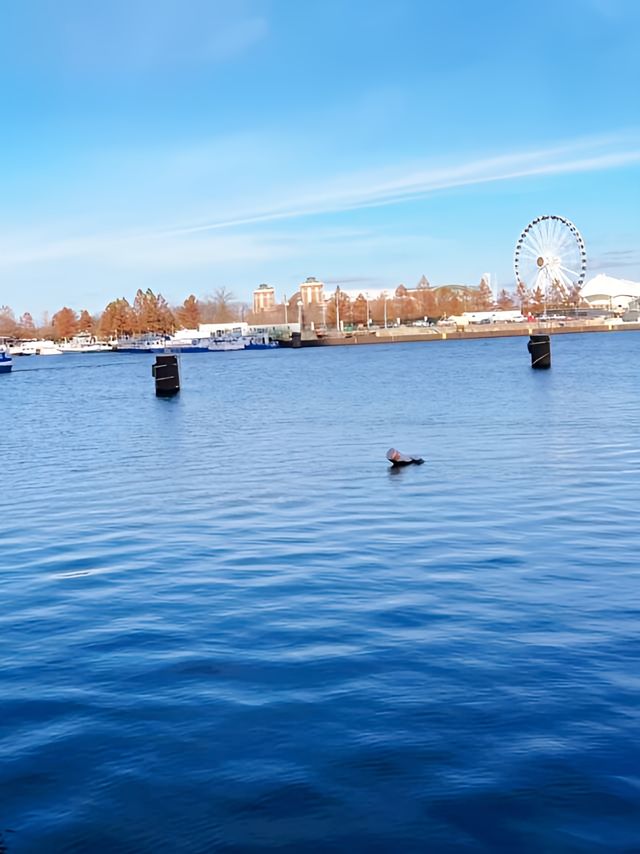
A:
550	251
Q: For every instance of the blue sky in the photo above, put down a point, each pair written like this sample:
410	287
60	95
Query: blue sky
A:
186	145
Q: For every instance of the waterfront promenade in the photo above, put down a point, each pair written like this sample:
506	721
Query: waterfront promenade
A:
445	332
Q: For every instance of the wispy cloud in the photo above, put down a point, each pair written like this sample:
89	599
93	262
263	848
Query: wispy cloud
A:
201	250
353	192
196	244
616	259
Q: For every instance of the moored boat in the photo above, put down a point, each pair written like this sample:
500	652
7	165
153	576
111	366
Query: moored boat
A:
194	341
141	344
6	362
211	344
85	343
260	341
39	347
181	343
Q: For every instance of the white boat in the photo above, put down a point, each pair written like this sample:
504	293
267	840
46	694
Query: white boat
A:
84	343
6	362
41	347
192	341
210	344
188	341
141	344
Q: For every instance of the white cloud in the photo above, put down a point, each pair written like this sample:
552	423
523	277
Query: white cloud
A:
196	244
376	189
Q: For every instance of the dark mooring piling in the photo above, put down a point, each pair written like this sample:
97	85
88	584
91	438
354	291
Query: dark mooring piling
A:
540	348
166	374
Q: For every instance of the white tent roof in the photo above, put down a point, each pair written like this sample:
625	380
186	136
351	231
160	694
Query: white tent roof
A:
608	287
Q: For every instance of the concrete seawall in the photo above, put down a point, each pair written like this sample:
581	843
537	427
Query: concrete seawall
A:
443	333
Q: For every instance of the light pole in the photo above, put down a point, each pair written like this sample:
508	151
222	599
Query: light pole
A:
384	296
338	309
300	315
285	308
366	297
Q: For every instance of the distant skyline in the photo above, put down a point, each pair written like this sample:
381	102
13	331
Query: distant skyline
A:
188	146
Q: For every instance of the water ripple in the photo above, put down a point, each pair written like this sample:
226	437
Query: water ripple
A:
228	626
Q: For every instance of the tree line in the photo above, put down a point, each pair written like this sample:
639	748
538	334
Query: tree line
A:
151	313
406	305
148	313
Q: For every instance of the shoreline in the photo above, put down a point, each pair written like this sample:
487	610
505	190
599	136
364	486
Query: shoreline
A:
399	335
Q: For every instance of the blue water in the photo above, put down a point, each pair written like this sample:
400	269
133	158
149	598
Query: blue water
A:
226	625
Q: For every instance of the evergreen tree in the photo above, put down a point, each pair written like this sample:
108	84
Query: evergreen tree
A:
360	310
522	295
117	319
426	301
64	323
152	314
557	294
538	300
85	322
505	300
485	296
189	313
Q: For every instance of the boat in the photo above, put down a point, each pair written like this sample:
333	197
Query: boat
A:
180	343
192	341
260	341
84	343
40	347
141	344
6	362
211	344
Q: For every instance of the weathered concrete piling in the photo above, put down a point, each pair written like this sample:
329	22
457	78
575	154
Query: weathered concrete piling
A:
540	348
167	376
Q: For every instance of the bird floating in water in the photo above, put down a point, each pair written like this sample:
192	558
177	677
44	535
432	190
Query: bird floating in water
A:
397	459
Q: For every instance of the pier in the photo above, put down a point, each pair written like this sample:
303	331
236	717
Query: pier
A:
445	332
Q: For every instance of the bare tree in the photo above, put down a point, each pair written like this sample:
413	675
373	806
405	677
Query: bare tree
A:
220	307
8	325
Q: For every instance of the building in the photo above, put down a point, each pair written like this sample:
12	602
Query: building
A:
264	298
312	292
369	294
604	291
632	314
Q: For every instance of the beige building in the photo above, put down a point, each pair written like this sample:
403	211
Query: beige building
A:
264	298
312	292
